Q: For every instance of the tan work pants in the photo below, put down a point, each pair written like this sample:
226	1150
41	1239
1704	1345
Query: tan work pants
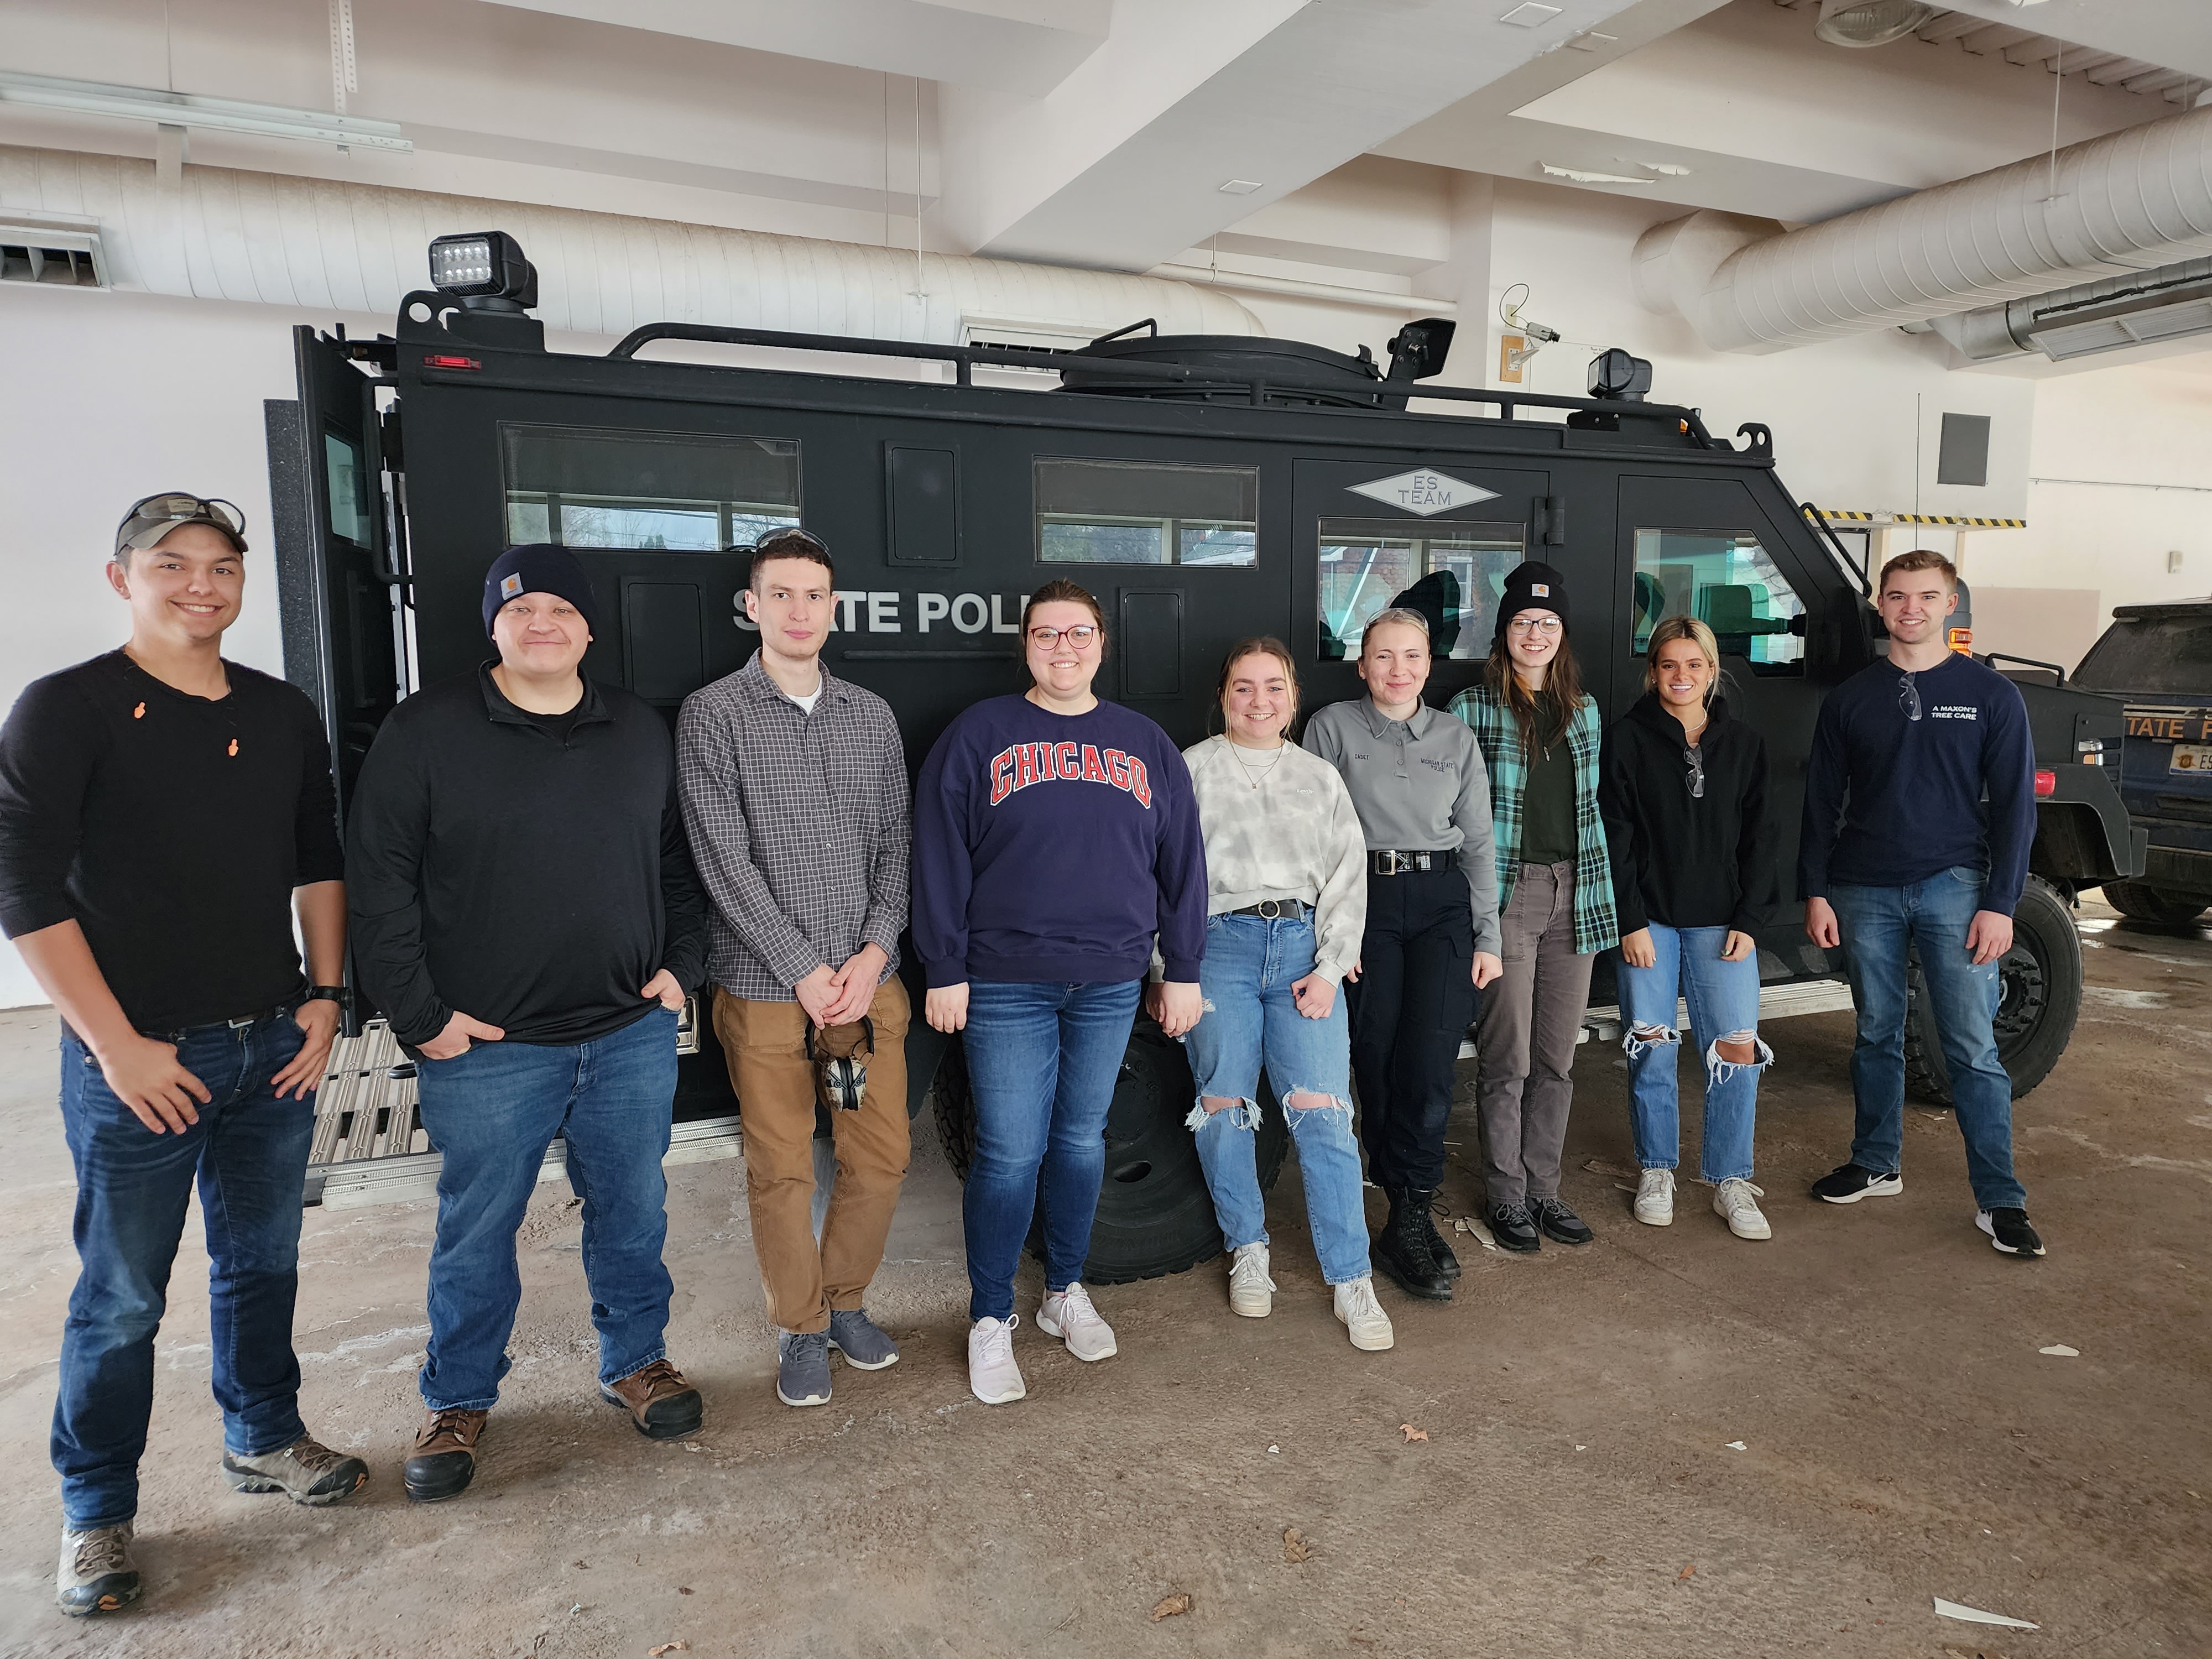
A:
765	1043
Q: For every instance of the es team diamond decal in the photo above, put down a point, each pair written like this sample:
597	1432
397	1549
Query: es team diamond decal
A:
1423	491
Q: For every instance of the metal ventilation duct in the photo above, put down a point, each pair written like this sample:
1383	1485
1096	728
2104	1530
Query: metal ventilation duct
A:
2173	302
2113	206
321	245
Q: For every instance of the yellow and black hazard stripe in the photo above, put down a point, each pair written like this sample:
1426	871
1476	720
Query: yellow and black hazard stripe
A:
1958	522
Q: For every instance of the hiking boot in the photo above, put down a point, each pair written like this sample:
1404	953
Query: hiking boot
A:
1251	1292
802	1367
1362	1315
1736	1202
1401	1248
2010	1230
661	1405
1560	1222
1847	1183
861	1339
306	1472
1069	1315
992	1377
1513	1228
445	1456
97	1574
1654	1198
1446	1263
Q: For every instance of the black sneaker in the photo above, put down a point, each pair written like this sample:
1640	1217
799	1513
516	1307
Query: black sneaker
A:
1847	1183
2010	1230
1560	1222
1510	1225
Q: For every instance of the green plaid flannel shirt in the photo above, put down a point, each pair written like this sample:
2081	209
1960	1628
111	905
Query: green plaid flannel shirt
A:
1497	734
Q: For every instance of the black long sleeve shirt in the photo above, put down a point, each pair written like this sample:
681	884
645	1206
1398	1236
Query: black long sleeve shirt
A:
1679	859
172	829
529	871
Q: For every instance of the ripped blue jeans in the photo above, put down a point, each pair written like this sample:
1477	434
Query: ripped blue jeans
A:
1723	999
1250	1020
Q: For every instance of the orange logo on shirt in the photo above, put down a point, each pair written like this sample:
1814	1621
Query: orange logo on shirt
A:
233	746
139	713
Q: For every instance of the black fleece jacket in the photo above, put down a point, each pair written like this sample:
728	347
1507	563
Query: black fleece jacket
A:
531	872
1679	860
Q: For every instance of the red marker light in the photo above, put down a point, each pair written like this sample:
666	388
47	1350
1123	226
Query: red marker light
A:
441	360
2046	783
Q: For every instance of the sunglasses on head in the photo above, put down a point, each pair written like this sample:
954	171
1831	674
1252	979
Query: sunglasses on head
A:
154	516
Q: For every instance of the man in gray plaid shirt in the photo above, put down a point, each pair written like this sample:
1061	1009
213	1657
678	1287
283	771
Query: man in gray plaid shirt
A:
794	788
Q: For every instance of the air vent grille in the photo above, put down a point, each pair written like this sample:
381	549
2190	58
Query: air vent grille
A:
59	259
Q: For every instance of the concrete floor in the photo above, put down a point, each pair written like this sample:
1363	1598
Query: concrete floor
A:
1576	1494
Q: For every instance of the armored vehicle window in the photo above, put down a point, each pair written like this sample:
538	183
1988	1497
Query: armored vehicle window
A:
1146	513
2168	655
677	493
343	472
1728	583
1452	573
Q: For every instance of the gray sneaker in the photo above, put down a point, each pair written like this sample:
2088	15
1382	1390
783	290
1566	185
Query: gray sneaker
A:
802	1367
861	1339
306	1472
97	1574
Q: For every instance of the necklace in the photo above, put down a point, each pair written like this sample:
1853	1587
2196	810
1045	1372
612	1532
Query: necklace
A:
1250	777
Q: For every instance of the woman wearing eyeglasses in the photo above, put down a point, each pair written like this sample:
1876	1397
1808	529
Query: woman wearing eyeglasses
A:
1683	794
1055	837
1540	738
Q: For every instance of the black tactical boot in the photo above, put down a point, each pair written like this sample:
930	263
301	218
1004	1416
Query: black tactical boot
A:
1401	1248
1446	1263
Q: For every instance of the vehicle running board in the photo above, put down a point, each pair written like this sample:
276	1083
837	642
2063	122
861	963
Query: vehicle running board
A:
1807	996
369	1146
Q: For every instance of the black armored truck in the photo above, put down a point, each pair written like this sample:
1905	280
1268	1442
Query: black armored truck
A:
1205	488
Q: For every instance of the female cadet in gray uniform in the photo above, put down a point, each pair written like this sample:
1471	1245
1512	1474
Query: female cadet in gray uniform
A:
1432	940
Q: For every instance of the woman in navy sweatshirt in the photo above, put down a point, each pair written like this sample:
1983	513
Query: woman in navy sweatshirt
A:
1054	836
1683	789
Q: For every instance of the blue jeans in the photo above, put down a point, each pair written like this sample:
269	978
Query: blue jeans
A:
1723	999
1878	923
249	1154
492	1111
1042	1060
1250	1019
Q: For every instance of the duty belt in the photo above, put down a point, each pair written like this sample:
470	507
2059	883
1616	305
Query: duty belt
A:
1276	910
1394	863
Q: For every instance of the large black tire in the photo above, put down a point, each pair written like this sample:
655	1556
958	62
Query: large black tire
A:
2042	999
1155	1215
2139	902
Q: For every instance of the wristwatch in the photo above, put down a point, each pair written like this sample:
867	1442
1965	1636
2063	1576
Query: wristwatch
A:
338	993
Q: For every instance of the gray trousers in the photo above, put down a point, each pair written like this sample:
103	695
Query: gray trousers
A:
1525	1036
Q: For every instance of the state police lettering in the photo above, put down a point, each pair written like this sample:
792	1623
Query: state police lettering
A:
1022	764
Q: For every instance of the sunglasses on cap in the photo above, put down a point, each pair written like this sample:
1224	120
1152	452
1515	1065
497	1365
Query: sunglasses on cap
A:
155	516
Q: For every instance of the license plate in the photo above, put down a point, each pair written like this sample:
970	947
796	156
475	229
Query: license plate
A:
2192	757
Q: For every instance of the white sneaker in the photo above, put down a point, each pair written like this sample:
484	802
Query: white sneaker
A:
1654	1198
1736	1201
1251	1292
1362	1315
992	1377
1069	1315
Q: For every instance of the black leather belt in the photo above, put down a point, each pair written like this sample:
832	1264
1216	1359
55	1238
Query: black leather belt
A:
1276	910
244	1022
1393	863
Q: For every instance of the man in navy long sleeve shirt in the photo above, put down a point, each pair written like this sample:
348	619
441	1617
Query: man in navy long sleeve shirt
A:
1919	810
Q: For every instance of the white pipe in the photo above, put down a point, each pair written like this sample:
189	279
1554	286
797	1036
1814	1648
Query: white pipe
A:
317	244
1248	282
2128	200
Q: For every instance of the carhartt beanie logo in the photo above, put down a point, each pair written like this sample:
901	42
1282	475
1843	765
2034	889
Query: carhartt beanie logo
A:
1533	586
538	567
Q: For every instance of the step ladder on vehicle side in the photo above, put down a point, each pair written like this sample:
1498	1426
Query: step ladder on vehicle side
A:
369	1146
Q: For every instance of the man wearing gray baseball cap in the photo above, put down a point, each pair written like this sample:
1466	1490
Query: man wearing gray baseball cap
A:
163	815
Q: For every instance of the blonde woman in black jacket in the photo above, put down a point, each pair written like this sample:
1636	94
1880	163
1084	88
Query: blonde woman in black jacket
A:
1683	791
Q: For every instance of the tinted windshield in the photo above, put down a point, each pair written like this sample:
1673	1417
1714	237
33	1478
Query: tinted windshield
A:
2166	654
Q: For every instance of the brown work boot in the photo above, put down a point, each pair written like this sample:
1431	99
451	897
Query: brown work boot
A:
445	1458
662	1405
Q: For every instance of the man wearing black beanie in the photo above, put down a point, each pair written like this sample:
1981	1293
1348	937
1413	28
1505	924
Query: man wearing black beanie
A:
527	915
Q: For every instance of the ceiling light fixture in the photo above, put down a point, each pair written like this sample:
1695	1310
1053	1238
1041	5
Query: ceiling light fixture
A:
1591	41
1870	23
181	109
1239	186
1530	15
1583	176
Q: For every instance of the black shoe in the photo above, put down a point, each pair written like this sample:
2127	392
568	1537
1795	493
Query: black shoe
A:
1446	1263
2010	1230
1510	1224
1560	1222
443	1460
1847	1183
1402	1250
